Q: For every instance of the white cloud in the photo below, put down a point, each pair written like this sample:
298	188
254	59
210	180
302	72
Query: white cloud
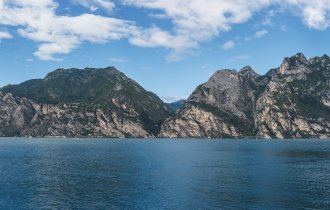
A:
316	14
268	19
106	4
228	45
261	33
36	20
156	37
5	35
194	22
94	5
257	35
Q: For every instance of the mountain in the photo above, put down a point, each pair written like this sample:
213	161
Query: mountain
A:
75	102
176	105
292	101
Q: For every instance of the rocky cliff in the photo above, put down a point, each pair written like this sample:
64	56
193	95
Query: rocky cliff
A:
73	102
292	101
295	102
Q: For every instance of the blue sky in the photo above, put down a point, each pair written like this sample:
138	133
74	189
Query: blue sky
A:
169	47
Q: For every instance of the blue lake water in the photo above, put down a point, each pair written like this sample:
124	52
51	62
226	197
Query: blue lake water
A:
164	174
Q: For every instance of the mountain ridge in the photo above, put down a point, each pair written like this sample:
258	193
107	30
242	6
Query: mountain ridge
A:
175	106
105	96
241	103
291	101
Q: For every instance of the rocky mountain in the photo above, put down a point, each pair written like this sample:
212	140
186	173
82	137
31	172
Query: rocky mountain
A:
292	101
74	102
175	106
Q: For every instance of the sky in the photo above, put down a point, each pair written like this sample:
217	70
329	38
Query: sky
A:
168	46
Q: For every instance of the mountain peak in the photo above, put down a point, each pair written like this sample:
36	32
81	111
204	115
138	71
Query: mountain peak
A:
293	105
297	59
246	68
325	56
293	62
75	71
223	72
300	56
123	106
247	71
321	60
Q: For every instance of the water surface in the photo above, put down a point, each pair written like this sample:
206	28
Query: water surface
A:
158	174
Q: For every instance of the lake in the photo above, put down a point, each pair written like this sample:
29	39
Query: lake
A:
164	174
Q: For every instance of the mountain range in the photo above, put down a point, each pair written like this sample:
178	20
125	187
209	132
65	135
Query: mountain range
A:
291	101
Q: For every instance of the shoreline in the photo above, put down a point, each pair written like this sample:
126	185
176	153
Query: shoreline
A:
181	139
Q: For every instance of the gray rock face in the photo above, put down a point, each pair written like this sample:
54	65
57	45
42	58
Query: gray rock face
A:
295	101
222	107
79	103
291	101
22	117
15	114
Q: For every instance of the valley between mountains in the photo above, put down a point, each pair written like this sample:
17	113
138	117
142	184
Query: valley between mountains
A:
291	101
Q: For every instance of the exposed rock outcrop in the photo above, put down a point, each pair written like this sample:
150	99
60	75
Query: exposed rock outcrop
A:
294	103
22	117
222	107
291	101
75	103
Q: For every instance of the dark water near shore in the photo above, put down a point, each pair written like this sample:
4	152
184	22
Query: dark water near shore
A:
158	174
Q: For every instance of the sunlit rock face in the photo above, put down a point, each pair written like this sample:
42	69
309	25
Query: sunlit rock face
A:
291	101
74	103
222	107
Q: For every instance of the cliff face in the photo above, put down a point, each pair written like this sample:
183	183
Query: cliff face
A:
291	101
22	117
222	107
90	102
295	103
